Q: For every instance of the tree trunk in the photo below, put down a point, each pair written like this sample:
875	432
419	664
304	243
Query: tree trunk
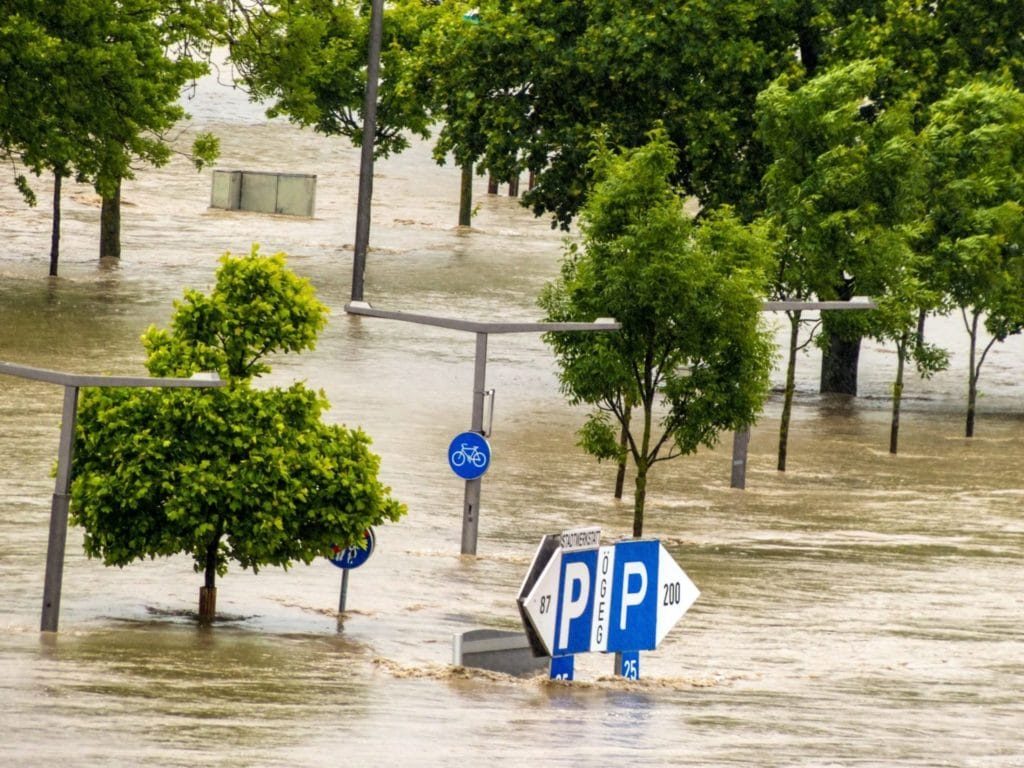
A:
787	402
639	499
839	366
208	592
897	394
513	186
972	377
492	185
620	476
58	180
110	225
808	38
466	196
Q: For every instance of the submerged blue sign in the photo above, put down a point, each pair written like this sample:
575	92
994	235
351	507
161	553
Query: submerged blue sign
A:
354	556
619	598
469	455
634	604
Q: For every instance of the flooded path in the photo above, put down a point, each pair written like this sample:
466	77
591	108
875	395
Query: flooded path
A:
860	609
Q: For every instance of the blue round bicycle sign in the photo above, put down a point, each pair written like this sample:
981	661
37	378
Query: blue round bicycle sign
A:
469	455
354	556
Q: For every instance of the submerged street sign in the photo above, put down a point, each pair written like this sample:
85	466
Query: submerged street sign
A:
354	556
619	598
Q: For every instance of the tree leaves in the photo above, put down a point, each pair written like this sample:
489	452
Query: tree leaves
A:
691	355
255	472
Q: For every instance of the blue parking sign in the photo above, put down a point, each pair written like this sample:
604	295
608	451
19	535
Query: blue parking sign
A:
634	604
575	615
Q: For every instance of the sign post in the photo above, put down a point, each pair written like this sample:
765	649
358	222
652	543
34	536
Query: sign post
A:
349	558
471	498
620	599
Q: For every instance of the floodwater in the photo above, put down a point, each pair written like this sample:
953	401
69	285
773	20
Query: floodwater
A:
860	609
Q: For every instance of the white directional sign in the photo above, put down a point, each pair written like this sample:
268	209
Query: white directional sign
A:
624	597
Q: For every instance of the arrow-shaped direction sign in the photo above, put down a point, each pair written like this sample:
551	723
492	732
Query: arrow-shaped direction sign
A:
618	598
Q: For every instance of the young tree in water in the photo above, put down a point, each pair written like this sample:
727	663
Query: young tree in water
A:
975	143
691	356
245	474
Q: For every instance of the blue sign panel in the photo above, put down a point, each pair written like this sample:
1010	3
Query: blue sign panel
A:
629	665
574	619
562	667
634	609
353	557
469	455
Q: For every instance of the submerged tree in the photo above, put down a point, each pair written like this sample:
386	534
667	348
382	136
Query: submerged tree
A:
88	87
846	189
975	143
244	474
691	359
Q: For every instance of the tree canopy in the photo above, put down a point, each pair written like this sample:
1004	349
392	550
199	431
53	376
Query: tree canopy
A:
238	474
308	58
691	355
528	86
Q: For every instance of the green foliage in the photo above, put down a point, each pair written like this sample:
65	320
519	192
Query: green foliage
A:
308	57
256	307
530	84
690	354
205	150
975	144
598	438
90	85
845	189
239	473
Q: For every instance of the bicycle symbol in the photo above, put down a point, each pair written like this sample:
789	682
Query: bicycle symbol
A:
469	453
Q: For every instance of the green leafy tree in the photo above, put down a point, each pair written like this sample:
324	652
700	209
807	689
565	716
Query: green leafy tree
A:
528	86
845	191
975	144
690	359
239	473
88	87
308	58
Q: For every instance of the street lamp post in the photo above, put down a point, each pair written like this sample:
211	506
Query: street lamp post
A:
363	204
471	501
61	502
741	438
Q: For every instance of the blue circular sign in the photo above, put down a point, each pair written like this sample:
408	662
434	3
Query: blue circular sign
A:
353	557
469	455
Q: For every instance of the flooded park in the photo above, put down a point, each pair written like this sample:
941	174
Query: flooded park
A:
859	609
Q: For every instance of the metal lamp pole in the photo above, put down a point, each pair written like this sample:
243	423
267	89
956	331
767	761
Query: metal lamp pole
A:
366	155
62	490
741	438
471	503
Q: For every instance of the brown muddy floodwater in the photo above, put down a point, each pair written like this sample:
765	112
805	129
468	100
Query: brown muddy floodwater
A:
860	609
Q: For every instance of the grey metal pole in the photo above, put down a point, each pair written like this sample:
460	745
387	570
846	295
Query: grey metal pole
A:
366	156
740	444
59	514
471	505
344	590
